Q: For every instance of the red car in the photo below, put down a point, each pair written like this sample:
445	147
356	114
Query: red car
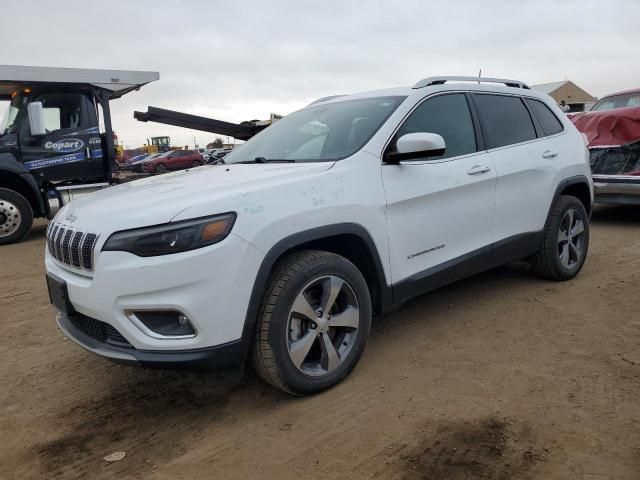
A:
175	160
612	131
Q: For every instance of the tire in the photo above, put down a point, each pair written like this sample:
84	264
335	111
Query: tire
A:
16	217
160	168
280	328
562	256
195	164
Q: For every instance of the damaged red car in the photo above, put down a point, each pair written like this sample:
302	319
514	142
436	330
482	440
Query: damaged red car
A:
612	130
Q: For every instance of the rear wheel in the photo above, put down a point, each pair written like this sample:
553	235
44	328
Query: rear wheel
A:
313	324
566	241
16	217
160	168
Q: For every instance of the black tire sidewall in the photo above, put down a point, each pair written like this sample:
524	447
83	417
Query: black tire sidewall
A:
160	168
566	203
26	214
294	379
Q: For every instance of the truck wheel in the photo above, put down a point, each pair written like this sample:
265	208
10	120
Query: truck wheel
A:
16	217
566	241
160	168
313	323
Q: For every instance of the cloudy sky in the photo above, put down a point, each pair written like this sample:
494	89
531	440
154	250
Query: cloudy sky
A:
237	61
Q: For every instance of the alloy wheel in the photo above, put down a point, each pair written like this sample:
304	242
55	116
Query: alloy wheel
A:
571	238
323	325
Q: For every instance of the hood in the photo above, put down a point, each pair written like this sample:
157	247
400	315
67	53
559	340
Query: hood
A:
617	127
159	199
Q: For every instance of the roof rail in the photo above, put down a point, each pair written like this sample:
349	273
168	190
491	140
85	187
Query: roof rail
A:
427	82
324	99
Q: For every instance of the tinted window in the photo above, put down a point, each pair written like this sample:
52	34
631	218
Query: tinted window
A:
448	116
505	120
548	121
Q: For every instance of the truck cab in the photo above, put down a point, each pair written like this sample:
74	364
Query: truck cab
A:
56	141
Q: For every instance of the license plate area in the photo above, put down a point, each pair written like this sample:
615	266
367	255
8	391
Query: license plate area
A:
58	295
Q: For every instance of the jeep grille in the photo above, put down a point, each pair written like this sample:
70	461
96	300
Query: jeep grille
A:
70	247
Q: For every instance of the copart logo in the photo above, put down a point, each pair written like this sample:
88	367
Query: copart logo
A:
65	146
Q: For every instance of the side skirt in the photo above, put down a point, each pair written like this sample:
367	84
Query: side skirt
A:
508	250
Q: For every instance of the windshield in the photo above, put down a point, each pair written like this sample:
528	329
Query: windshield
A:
9	118
322	133
617	101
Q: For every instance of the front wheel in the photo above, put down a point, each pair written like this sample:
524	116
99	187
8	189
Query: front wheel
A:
313	324
566	241
195	164
160	168
16	217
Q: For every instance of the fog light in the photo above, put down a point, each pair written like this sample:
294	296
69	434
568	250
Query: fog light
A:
165	323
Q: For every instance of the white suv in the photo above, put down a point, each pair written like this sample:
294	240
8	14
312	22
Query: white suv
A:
336	213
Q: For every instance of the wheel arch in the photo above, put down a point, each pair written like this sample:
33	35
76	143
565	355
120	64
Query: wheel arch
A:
349	240
578	187
25	186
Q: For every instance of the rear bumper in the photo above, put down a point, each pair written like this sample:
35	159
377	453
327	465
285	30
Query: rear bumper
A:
212	358
617	189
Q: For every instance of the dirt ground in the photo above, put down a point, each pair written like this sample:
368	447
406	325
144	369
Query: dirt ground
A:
502	376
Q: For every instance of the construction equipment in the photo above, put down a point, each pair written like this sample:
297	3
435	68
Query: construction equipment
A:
56	140
241	131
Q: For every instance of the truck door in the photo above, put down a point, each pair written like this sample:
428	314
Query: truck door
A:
71	148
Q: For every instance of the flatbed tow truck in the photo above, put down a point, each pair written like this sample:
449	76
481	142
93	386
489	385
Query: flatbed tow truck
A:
56	139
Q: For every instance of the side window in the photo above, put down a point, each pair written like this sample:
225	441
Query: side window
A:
548	121
62	110
505	120
448	116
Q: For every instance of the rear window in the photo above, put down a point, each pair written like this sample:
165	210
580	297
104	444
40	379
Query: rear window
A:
505	120
548	121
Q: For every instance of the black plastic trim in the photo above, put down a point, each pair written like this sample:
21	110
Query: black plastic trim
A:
476	122
212	358
443	274
296	240
568	182
9	163
505	251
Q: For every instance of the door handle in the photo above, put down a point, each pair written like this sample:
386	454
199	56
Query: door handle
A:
549	154
478	169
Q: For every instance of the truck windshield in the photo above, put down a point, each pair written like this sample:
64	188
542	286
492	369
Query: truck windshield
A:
10	115
320	133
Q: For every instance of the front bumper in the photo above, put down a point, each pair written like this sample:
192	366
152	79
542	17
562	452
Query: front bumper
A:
211	286
617	189
218	357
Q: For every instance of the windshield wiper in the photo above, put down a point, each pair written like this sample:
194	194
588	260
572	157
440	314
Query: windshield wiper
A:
267	160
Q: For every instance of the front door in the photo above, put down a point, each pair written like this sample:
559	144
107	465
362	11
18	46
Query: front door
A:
440	211
71	148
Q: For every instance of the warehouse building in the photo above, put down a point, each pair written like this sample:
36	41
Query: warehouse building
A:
578	99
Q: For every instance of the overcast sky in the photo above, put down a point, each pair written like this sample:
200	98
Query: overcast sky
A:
238	61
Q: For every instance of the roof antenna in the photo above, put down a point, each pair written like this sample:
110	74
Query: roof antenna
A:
479	76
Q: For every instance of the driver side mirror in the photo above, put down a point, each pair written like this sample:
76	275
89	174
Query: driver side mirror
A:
416	146
35	112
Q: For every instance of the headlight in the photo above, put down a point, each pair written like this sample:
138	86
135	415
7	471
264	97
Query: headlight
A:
172	237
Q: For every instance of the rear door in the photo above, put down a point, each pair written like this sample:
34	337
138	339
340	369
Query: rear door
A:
524	166
440	211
